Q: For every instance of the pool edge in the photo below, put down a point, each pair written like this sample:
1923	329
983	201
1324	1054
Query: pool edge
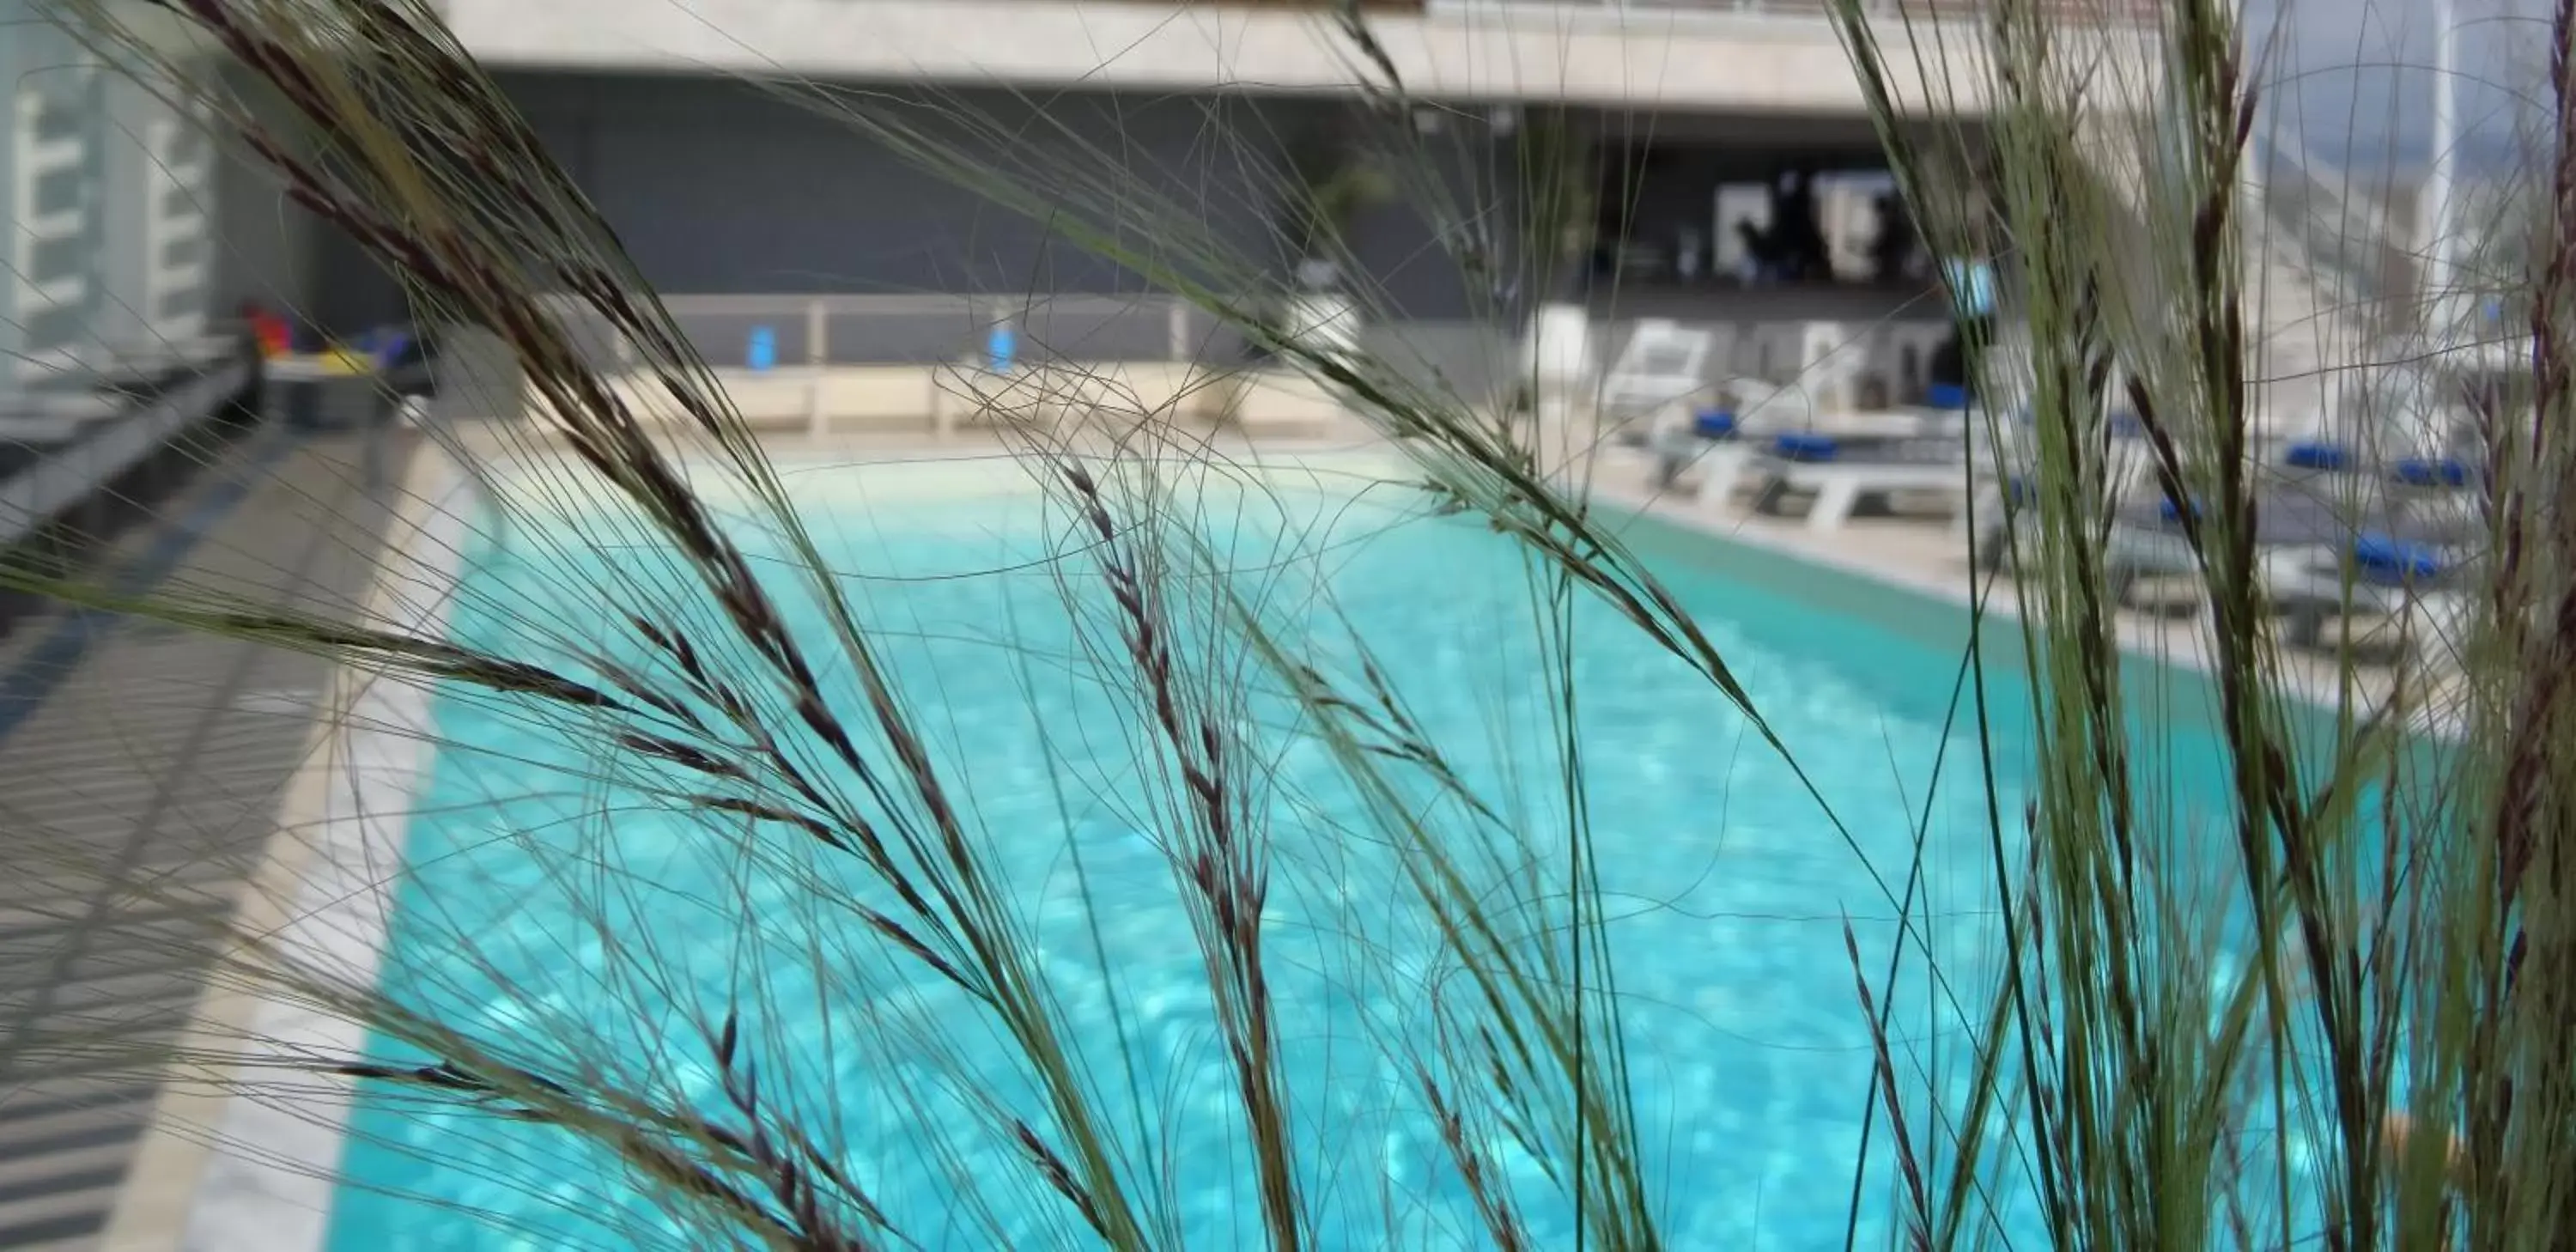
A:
2312	685
177	1197
162	1204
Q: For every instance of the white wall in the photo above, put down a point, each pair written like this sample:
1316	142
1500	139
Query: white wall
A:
104	185
49	189
1712	61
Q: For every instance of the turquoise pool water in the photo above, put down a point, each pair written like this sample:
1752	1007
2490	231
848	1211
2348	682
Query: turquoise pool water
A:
1749	1055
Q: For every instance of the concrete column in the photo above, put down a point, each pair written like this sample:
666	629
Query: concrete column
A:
121	147
2436	225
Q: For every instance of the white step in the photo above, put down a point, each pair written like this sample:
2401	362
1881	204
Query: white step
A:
59	224
170	230
39	157
185	326
179	277
42	297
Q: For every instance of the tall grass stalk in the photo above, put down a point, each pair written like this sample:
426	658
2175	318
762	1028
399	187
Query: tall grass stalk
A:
2370	878
2331	1010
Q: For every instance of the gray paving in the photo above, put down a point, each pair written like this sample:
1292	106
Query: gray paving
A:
140	768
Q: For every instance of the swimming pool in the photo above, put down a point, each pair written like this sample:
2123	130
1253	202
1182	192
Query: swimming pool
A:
1749	1053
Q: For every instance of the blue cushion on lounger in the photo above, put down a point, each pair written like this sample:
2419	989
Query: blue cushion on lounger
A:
2126	425
387	349
2317	456
2021	490
2172	509
2428	472
1945	396
1802	447
1713	423
2383	559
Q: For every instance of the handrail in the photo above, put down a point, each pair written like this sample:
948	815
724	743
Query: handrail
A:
2123	11
822	329
91	459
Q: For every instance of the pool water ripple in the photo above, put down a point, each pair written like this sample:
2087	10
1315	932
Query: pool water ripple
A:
1732	892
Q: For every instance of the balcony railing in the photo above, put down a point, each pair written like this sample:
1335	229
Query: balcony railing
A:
2094	10
2113	10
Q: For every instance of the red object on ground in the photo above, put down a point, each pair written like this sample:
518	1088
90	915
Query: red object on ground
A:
275	334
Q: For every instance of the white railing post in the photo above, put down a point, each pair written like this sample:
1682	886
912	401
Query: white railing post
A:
2437	233
1180	327
816	354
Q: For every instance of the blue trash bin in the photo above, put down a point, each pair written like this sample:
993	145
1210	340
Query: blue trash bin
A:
1001	347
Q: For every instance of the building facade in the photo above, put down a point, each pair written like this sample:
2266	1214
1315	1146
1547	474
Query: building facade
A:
111	193
130	224
722	188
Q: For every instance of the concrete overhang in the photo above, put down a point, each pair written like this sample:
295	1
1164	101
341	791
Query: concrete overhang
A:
1698	62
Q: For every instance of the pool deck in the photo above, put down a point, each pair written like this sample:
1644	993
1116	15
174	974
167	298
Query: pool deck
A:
139	773
1925	555
146	775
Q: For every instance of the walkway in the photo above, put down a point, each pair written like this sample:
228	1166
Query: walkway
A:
139	768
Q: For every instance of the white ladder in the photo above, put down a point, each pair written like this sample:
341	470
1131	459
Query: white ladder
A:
179	182
39	289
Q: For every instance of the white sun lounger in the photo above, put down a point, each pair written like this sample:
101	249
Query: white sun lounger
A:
2427	622
1662	368
1839	474
2291	528
2422	590
2003	474
1721	445
2325	467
